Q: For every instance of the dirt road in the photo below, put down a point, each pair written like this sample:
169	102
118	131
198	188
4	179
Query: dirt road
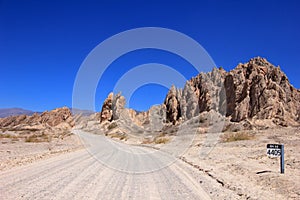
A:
104	170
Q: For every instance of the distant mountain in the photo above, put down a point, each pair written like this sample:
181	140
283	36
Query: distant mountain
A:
6	112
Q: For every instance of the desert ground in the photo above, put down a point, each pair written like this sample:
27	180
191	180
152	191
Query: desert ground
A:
89	166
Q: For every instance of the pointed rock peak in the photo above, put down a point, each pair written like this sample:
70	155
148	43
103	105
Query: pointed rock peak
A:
110	96
172	90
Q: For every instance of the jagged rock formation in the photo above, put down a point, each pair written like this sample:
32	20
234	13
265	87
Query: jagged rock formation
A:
260	90
202	93
60	118
172	105
106	112
115	115
112	107
254	90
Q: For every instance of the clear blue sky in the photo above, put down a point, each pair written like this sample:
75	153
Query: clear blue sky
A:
43	43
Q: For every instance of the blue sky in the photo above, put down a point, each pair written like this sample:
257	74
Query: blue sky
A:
43	43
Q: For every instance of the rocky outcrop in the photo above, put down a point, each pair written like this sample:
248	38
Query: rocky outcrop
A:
48	118
112	107
106	112
202	93
259	90
254	90
172	105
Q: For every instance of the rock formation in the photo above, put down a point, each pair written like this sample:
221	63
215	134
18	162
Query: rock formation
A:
172	105
260	90
254	90
112	107
60	117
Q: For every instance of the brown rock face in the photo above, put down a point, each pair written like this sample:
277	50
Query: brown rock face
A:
254	90
172	104
202	93
106	112
260	90
112	107
51	118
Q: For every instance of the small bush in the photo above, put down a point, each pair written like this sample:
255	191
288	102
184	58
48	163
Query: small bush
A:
5	136
161	140
120	136
112	126
36	138
236	136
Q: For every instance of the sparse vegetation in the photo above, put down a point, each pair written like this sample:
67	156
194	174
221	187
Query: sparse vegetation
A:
236	136
120	136
5	136
38	138
161	140
12	137
147	141
112	126
20	129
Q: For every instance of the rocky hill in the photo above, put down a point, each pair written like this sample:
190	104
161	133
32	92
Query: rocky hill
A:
59	119
253	91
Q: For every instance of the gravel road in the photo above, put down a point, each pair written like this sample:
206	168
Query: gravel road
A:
106	169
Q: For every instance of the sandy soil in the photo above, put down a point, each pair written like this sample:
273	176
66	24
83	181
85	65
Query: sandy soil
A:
15	151
244	168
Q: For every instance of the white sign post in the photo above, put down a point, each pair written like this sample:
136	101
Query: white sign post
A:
277	150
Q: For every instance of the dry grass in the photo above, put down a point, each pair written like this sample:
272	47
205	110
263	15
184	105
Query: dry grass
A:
16	129
38	138
120	136
6	136
161	140
236	136
10	136
112	126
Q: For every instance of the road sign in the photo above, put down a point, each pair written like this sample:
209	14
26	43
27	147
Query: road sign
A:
277	150
274	150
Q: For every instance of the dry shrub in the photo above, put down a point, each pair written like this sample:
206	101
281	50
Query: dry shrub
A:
236	136
161	140
38	138
6	136
120	136
112	126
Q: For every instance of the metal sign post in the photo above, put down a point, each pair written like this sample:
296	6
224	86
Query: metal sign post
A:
276	150
282	160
